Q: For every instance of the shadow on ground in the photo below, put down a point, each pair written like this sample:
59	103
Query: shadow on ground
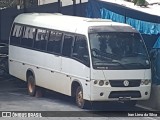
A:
12	84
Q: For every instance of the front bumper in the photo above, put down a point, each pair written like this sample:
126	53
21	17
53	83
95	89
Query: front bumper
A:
108	93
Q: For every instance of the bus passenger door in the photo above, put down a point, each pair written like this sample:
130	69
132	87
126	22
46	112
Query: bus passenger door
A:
75	63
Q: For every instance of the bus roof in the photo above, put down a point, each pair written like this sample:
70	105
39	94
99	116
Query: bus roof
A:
61	22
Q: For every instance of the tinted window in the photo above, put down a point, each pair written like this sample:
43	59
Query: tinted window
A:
55	41
67	45
80	50
41	39
16	34
28	36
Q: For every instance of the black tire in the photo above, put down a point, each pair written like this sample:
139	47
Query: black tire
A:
81	103
130	103
31	85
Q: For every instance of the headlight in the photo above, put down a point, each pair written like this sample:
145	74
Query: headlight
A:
106	83
145	82
101	82
95	82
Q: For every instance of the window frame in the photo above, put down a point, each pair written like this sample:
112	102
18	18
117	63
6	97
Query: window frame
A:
60	50
11	34
70	35
24	28
74	35
81	61
47	34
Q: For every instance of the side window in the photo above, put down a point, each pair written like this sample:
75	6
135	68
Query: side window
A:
28	36
67	45
16	34
41	39
54	43
80	50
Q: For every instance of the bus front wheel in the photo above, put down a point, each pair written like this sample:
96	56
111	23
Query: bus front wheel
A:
31	85
79	98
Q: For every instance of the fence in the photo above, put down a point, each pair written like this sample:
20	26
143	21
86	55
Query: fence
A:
7	15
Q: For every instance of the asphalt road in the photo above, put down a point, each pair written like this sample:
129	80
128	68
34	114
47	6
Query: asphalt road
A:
14	97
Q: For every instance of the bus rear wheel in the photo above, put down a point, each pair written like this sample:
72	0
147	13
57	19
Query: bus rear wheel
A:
79	98
31	85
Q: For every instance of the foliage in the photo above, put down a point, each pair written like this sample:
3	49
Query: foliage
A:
140	2
13	3
7	3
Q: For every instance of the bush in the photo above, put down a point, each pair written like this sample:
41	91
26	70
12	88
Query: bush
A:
140	2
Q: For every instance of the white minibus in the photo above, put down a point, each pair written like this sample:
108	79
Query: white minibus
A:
88	59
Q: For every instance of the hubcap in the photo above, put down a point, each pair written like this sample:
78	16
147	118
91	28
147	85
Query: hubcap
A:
80	98
30	85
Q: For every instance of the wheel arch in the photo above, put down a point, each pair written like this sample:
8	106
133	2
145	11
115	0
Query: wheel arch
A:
30	72
31	83
74	86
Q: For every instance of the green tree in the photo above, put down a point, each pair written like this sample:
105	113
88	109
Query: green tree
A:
13	3
140	2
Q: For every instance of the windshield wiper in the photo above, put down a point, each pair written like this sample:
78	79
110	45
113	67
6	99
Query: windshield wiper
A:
103	55
112	61
142	65
136	54
116	61
103	58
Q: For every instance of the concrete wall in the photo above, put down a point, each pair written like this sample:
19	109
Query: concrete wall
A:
64	2
7	15
67	6
42	2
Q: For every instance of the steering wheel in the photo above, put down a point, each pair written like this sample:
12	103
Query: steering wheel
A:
95	52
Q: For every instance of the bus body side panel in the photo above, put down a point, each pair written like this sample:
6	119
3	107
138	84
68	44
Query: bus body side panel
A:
16	69
49	72
46	67
76	71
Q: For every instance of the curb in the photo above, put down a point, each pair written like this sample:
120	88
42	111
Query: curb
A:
147	108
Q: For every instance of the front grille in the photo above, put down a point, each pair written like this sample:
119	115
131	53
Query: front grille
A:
132	94
119	83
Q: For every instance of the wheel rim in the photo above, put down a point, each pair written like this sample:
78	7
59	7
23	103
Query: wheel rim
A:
30	85
80	98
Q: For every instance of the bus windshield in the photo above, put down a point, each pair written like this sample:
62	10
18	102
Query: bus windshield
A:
118	50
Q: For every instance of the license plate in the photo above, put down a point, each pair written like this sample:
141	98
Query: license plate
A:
124	98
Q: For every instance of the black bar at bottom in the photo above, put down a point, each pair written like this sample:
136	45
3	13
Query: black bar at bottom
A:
79	114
